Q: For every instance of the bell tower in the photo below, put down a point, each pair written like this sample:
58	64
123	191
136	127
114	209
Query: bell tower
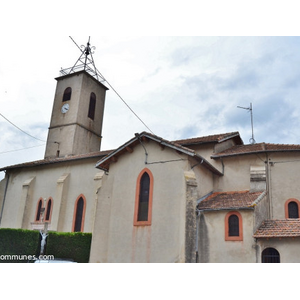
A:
78	107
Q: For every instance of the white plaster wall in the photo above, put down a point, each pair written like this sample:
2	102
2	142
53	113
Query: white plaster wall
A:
221	251
204	179
115	239
206	150
237	172
288	248
284	181
81	181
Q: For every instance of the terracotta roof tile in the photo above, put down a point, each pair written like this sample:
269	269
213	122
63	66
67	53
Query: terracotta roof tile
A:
278	228
229	200
216	138
256	148
48	161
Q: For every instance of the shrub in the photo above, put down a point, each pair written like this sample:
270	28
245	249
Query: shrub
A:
26	243
69	245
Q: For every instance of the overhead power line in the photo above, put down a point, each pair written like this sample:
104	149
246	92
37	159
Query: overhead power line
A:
97	71
9	151
128	106
21	129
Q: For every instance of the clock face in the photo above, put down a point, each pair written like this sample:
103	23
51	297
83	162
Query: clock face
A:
65	108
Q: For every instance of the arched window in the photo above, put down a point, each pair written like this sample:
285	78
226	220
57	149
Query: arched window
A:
143	199
92	106
67	94
292	209
270	255
39	210
79	212
48	210
233	226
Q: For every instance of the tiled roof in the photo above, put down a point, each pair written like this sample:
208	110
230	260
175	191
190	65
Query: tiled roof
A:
216	138
256	148
229	200
55	160
278	228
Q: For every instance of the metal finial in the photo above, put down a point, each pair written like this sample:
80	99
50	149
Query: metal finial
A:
85	62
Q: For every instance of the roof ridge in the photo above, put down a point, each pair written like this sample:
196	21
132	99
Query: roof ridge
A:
217	138
256	148
53	160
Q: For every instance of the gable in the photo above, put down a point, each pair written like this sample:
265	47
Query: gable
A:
142	140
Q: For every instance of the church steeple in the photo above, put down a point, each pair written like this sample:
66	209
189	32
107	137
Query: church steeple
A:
78	107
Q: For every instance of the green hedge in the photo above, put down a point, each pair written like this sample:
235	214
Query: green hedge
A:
69	245
18	242
26	245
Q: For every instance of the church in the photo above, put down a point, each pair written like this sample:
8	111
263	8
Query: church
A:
209	199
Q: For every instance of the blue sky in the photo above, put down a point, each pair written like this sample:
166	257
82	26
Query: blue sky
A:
180	87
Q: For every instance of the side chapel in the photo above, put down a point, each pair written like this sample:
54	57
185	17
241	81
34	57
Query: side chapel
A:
203	199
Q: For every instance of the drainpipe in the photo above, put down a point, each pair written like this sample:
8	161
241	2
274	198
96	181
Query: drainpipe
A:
269	189
223	168
146	154
4	196
197	233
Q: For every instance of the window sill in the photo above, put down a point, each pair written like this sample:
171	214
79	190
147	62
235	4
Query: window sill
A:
233	238
142	223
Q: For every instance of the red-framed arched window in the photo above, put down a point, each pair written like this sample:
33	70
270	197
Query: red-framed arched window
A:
143	198
39	207
292	208
79	214
233	226
48	210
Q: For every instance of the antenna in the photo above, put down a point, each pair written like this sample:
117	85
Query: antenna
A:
252	140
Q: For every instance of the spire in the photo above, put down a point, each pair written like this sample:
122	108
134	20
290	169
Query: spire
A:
85	62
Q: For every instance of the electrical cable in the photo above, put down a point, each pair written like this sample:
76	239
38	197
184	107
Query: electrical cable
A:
21	129
75	43
21	149
284	161
128	105
165	161
117	93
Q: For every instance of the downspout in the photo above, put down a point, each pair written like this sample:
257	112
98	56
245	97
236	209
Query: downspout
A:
198	212
4	196
222	165
269	186
146	153
197	164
